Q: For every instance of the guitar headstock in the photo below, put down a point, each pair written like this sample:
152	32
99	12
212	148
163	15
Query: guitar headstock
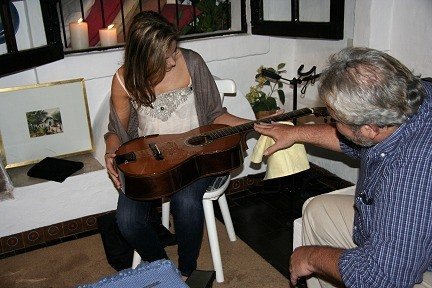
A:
320	111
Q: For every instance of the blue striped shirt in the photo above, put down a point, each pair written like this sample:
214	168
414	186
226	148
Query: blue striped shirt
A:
393	207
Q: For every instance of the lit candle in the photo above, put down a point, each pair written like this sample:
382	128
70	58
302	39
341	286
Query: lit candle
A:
108	36
79	35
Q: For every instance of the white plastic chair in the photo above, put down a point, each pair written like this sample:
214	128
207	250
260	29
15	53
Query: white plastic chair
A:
216	191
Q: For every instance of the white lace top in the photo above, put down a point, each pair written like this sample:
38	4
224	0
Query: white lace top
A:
173	112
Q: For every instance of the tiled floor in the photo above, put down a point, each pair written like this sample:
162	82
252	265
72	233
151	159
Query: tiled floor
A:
263	215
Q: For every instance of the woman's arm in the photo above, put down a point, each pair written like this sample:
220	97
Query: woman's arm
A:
229	119
120	103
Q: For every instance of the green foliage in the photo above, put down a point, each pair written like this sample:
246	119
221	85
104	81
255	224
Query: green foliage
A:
264	101
36	117
215	15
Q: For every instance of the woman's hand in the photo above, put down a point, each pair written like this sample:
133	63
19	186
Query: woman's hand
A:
283	135
112	170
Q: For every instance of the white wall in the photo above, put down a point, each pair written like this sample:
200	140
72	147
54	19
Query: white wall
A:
411	38
397	26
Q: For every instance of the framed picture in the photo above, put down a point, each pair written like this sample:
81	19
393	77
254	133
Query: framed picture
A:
44	120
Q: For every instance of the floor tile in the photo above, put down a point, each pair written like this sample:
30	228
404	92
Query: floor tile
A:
263	214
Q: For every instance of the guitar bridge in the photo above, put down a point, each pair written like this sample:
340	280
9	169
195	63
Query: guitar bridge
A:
125	158
156	152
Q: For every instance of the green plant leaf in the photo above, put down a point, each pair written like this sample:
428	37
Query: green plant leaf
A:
267	105
280	85
265	101
271	103
281	96
206	5
213	17
263	96
186	29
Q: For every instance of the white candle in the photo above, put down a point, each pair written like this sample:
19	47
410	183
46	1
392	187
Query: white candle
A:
79	35
108	36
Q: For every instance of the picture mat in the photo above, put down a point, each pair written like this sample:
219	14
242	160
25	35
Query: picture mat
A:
69	96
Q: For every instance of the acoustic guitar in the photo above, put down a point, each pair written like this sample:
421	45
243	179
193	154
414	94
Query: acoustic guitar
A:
155	166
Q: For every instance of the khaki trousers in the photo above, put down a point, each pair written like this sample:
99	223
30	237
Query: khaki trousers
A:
328	220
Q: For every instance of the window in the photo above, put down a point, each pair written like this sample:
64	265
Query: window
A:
17	52
194	19
295	18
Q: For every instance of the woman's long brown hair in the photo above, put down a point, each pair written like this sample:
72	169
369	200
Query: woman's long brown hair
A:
149	38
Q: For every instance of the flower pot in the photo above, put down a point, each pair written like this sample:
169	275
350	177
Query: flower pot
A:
263	114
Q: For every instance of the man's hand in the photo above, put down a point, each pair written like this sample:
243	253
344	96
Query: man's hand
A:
283	135
322	261
112	170
298	266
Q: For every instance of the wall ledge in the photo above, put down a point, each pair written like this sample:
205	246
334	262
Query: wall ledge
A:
61	232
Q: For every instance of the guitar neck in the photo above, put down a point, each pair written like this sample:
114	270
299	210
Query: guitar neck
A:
218	133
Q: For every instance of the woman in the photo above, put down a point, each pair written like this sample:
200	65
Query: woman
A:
161	89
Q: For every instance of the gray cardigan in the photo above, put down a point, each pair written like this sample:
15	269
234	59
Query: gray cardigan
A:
207	99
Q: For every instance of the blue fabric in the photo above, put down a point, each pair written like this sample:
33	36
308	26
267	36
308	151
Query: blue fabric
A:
188	214
393	207
160	273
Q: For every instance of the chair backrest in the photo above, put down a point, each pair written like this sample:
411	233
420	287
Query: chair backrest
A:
225	86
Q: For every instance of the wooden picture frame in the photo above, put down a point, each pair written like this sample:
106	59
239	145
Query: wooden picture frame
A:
44	120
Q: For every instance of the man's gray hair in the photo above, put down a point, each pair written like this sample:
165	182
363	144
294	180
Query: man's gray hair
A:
367	86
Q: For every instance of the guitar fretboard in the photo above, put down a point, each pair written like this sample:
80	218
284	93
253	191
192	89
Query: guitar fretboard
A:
203	139
223	132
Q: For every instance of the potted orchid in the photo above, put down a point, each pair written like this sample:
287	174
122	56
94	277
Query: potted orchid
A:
260	96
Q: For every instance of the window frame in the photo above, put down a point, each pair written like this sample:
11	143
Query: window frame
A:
16	61
295	28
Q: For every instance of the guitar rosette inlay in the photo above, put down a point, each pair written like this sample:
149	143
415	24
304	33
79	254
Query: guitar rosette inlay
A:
200	140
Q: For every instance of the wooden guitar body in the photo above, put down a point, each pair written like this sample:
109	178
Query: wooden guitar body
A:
159	165
164	164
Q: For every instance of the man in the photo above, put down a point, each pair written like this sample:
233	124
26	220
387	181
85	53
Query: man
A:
382	237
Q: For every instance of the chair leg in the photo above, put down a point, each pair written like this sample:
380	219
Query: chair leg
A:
213	239
136	259
227	217
165	214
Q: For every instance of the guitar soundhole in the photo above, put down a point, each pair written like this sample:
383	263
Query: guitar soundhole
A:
198	141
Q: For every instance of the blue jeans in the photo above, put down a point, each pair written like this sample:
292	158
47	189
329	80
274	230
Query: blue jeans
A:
187	210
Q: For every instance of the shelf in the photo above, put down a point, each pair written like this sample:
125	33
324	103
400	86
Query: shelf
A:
19	177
